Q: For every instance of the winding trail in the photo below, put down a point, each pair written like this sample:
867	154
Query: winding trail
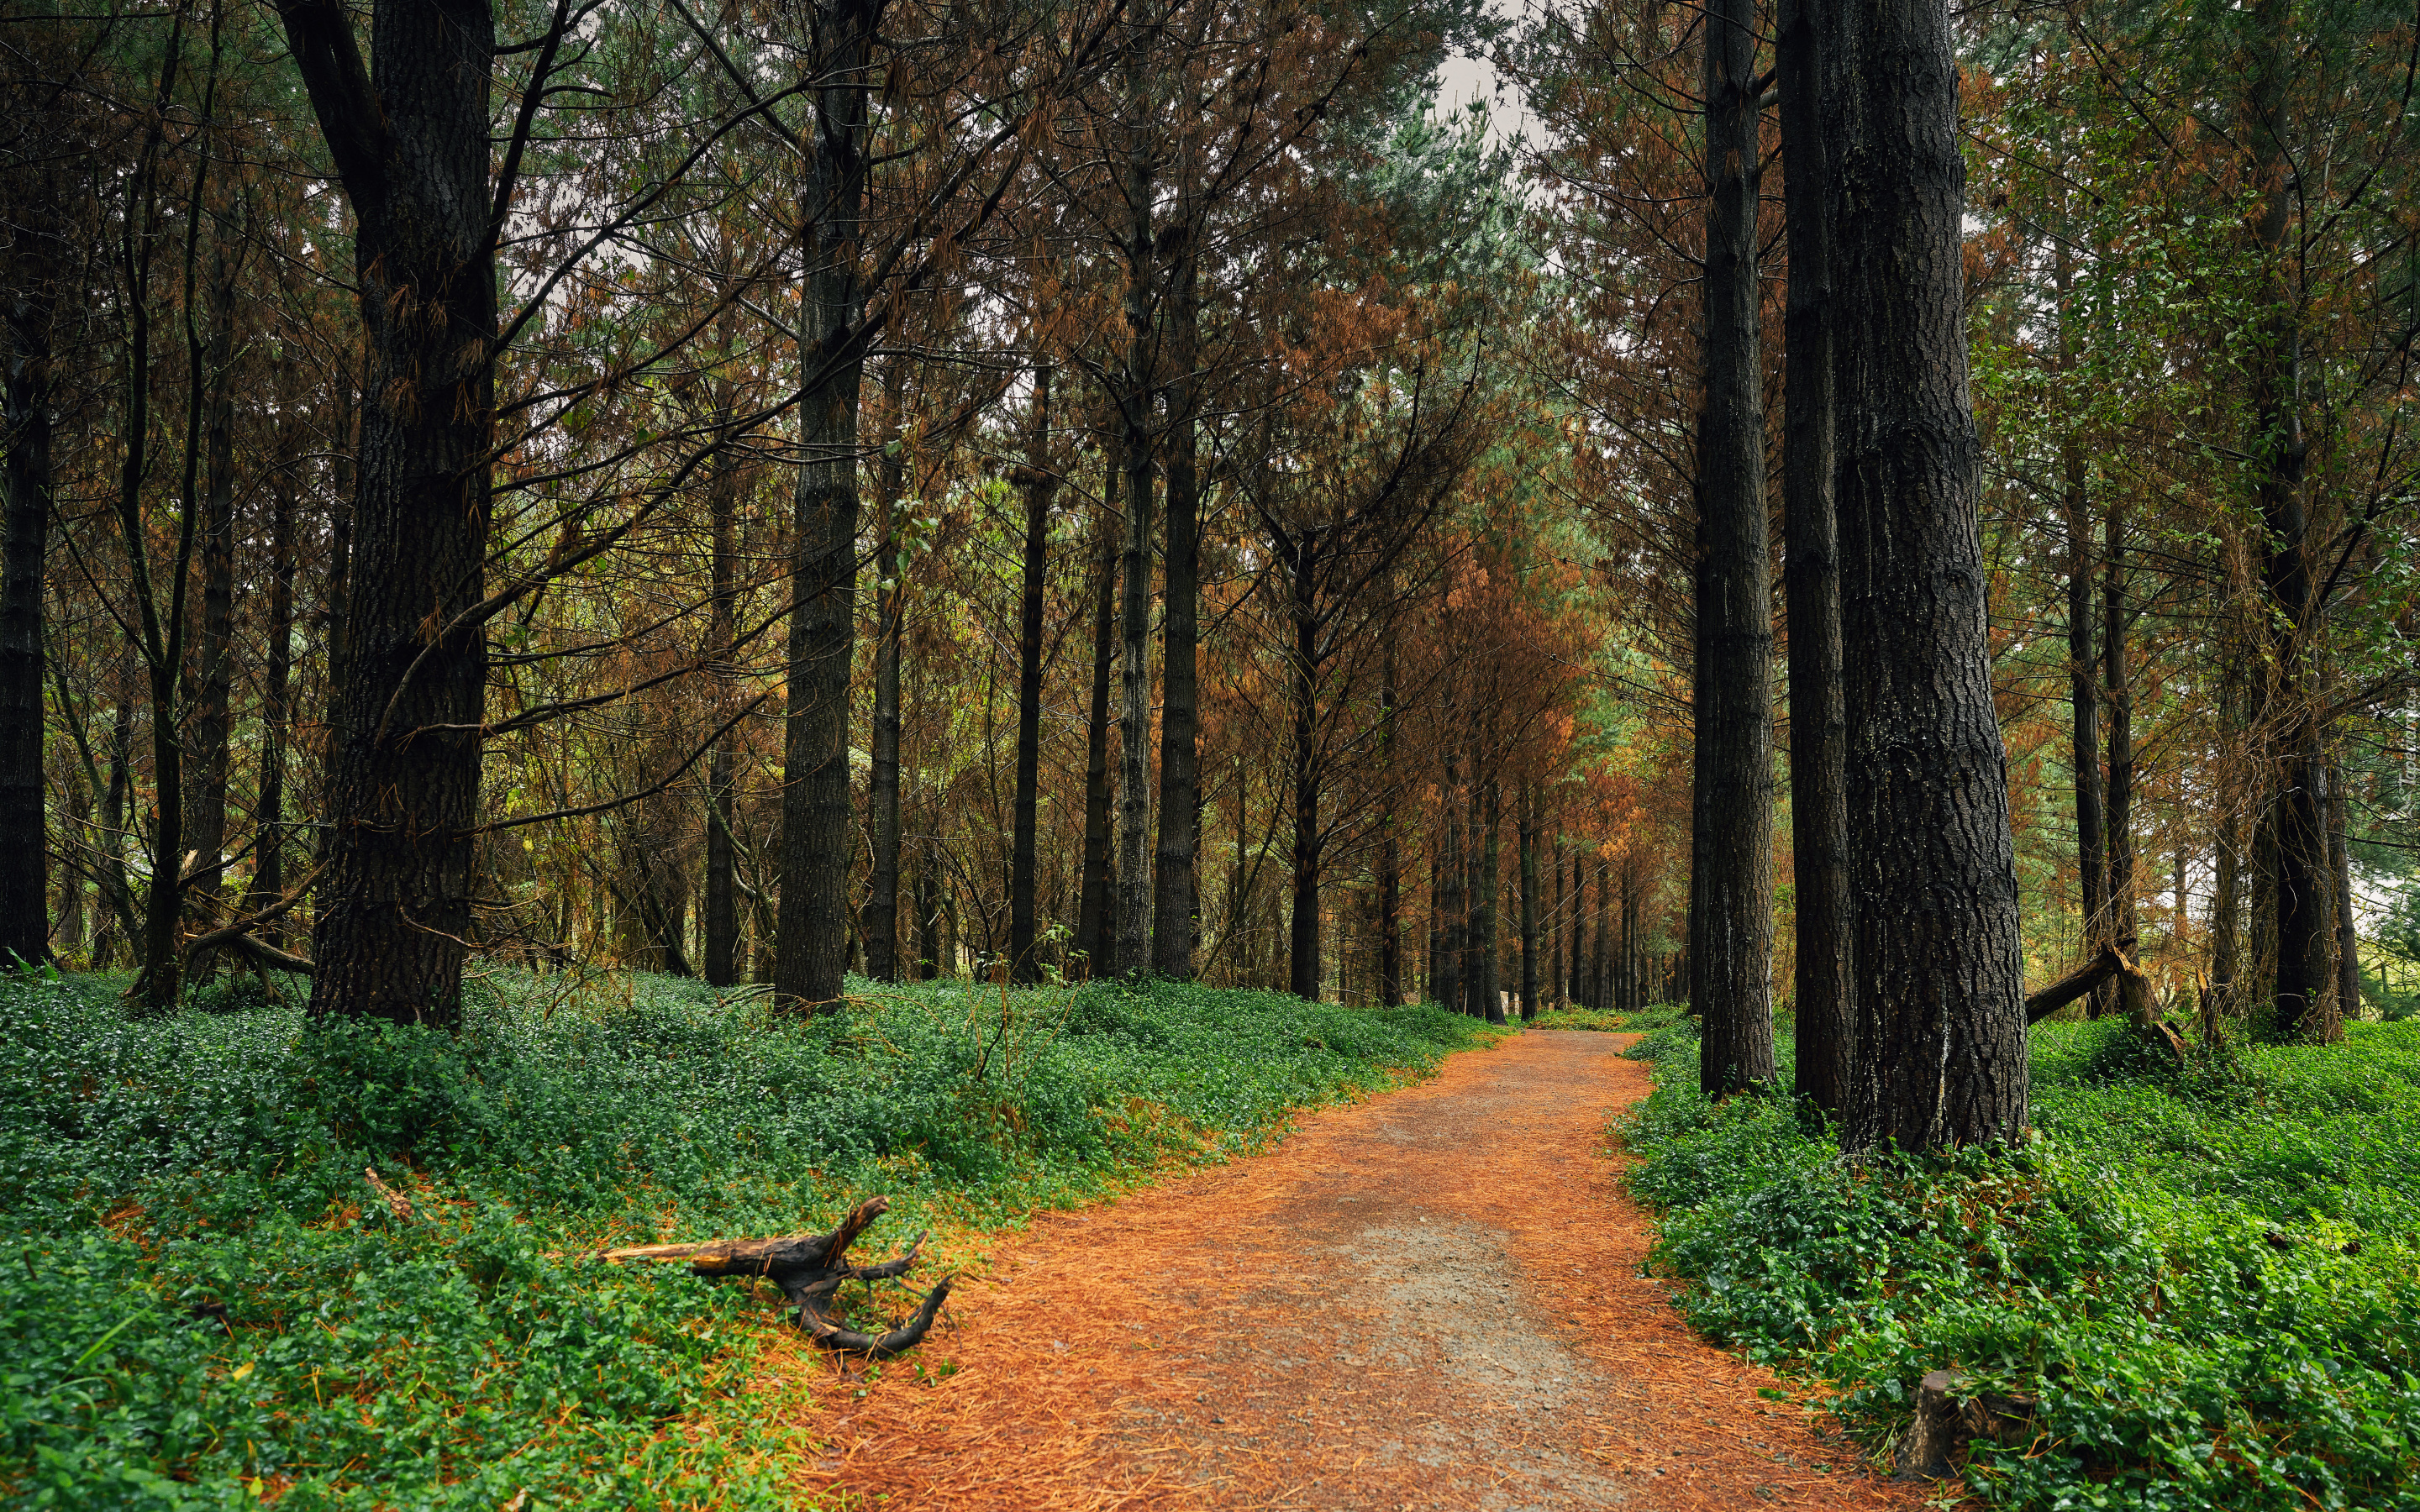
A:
1430	1298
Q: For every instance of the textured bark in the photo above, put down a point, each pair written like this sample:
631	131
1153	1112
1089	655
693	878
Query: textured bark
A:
1092	916
1528	826
2118	685
1038	483
210	682
1389	860
720	926
1174	890
1302	945
879	922
2084	707
409	135
1490	801
2302	924
1134	885
811	943
24	540
1819	800
1940	984
269	806
1731	920
1449	906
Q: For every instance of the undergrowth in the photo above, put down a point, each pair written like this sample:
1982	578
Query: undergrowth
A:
207	1306
2208	1279
1654	1017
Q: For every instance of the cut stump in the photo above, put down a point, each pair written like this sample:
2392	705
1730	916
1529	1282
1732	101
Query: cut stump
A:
1947	1420
808	1268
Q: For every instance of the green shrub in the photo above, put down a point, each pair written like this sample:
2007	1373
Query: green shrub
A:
209	1300
2207	1278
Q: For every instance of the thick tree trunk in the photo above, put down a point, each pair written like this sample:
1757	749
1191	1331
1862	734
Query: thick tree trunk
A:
811	945
2303	914
1302	946
211	680
1037	482
2121	734
1134	880
269	808
1819	801
409	135
1940	988
1093	911
1483	916
1175	914
1730	922
26	520
720	925
879	924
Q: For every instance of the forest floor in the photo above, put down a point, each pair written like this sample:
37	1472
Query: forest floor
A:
1429	1299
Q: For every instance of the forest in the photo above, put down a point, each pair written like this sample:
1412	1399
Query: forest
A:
652	617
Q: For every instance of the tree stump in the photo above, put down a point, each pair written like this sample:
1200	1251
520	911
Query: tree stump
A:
808	1268
1946	1423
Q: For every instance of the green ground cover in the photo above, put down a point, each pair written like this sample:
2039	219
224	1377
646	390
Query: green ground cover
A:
1654	1017
205	1306
2210	1280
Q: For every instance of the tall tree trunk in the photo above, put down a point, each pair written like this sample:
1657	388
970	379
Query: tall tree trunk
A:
24	872
1583	993
411	145
1038	482
1449	972
1093	911
811	943
1389	860
1175	914
1491	865
1559	929
212	676
2121	727
1818	799
721	923
1600	963
1302	946
879	924
1940	985
1528	825
2340	863
1731	925
2304	919
1134	881
269	808
2083	690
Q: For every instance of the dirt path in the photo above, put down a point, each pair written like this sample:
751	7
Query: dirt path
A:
1428	1300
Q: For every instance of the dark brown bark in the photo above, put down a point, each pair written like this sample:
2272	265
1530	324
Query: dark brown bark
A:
1730	918
1527	822
720	925
1092	912
269	806
811	947
211	680
409	133
1818	802
2119	688
1134	880
1037	482
1601	941
25	540
1174	912
1940	973
2340	864
1302	946
1448	972
1484	922
879	922
810	1270
2302	927
2083	695
1389	860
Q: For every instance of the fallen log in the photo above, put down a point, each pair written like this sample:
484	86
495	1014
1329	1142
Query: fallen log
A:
2134	998
808	1268
2103	967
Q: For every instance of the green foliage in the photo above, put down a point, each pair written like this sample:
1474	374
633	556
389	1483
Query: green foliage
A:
2207	1278
1654	1017
213	1306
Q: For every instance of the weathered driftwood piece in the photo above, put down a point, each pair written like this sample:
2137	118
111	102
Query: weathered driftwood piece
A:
808	1268
1947	1420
